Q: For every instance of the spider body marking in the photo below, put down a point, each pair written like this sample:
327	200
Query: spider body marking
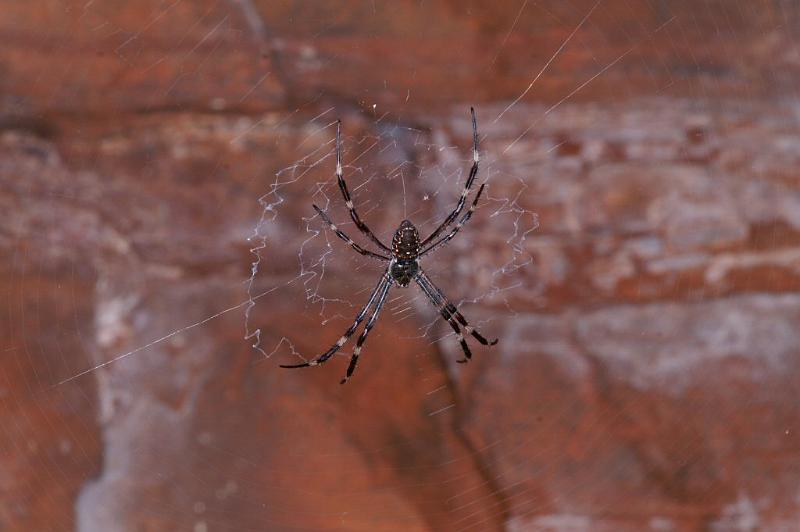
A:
403	263
405	250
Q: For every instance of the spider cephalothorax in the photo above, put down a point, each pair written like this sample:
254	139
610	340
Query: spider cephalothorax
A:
403	259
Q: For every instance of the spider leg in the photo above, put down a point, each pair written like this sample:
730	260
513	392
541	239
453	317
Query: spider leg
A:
382	285
423	278
363	337
346	238
447	315
346	193
464	219
467	186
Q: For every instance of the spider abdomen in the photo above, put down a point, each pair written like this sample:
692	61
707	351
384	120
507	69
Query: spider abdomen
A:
405	242
403	271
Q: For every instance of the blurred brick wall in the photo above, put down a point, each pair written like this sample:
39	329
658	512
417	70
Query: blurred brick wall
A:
646	376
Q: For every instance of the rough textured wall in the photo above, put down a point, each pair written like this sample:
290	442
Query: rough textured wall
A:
636	252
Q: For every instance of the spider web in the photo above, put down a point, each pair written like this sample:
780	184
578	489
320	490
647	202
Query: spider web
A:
390	166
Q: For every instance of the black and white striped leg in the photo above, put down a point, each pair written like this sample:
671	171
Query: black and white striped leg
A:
464	219
363	337
467	186
441	306
383	284
346	238
422	277
346	193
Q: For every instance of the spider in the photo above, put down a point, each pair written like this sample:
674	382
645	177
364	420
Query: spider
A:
403	258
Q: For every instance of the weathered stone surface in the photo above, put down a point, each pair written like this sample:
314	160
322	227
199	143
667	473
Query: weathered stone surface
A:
636	251
114	57
677	408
